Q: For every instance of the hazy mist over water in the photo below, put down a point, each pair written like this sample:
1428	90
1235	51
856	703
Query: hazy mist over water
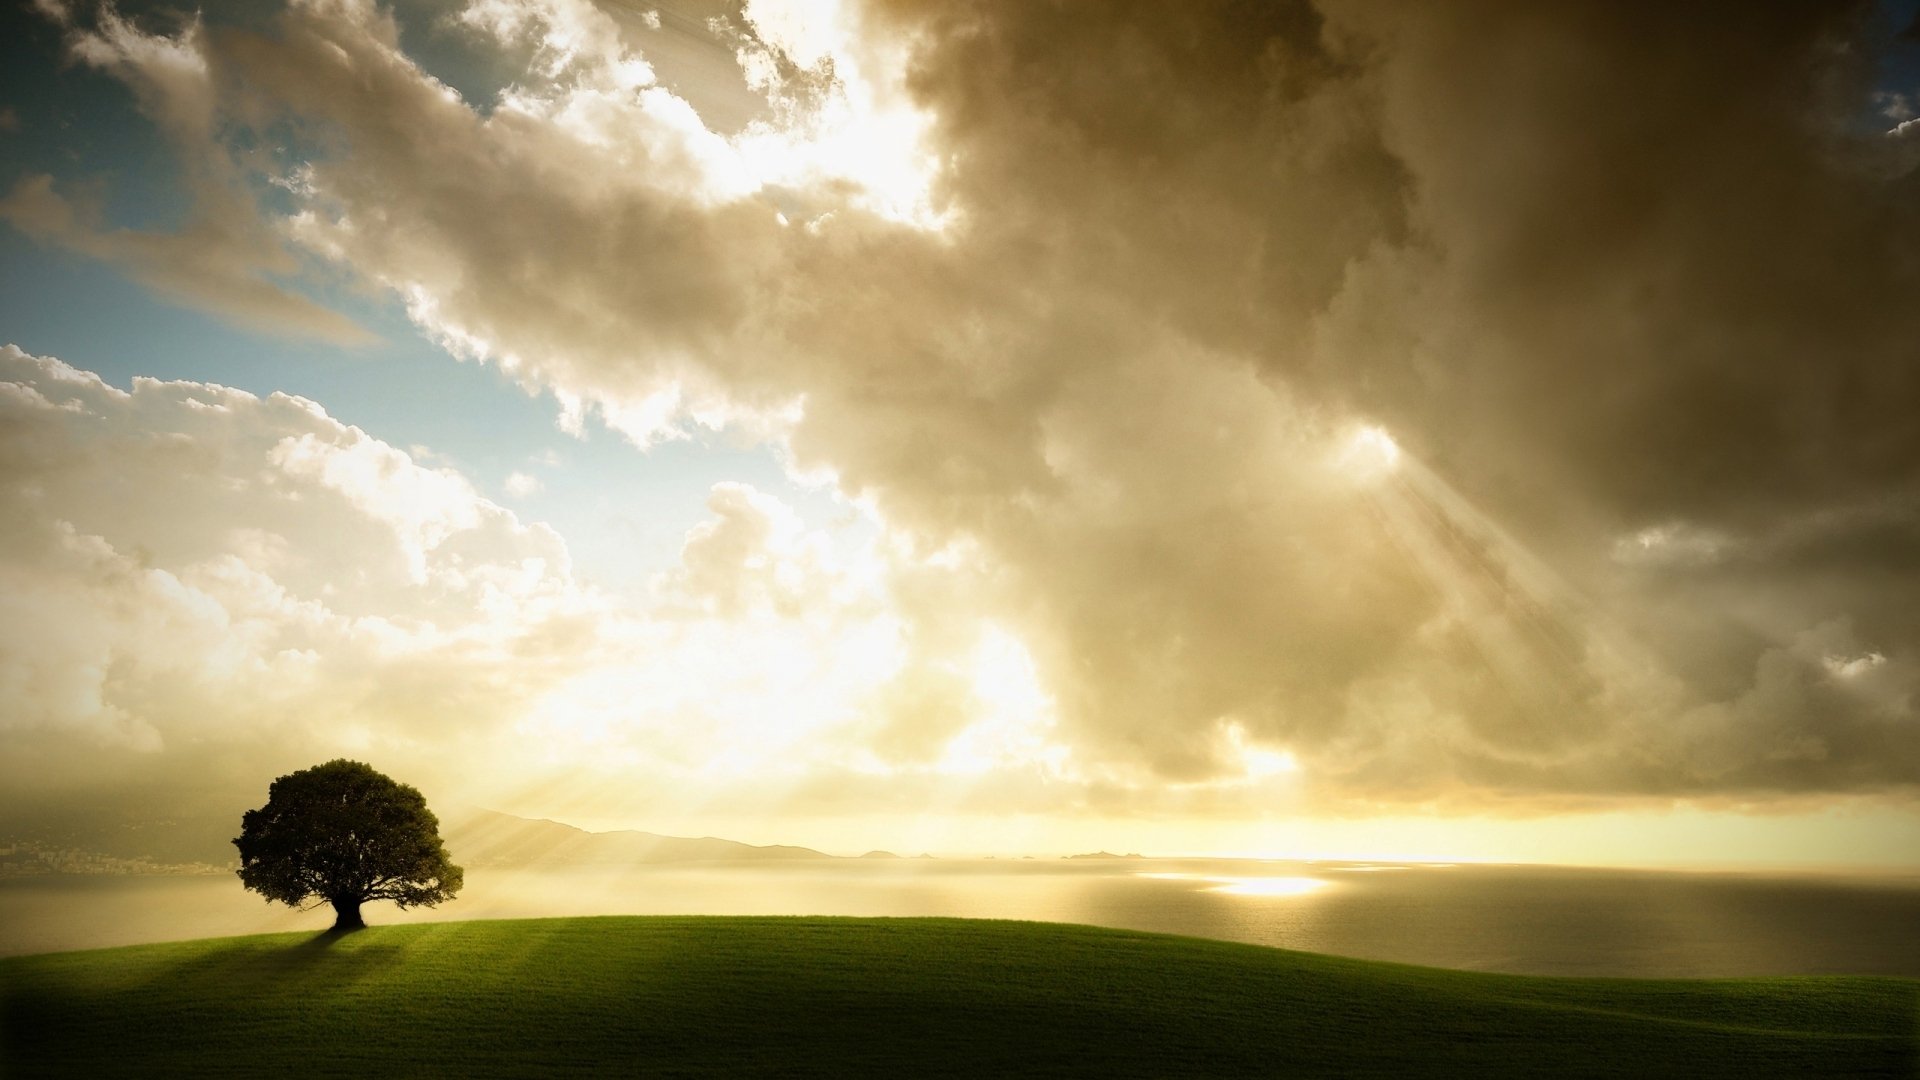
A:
1523	919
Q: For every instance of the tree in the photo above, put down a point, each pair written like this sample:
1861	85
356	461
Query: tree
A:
344	834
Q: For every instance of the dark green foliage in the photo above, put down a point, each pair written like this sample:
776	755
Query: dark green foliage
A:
896	997
345	834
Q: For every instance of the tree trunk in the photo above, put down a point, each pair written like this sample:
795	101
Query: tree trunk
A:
346	914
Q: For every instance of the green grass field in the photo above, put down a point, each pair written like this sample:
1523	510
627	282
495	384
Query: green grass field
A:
895	997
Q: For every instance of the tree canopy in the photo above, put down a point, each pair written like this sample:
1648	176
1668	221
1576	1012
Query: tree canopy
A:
345	834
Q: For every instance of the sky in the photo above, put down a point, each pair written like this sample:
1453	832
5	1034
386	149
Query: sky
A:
1457	431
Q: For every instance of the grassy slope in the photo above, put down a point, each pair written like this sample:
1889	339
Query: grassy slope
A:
920	997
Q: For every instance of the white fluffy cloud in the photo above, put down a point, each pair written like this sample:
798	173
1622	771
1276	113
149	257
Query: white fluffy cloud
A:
193	562
202	586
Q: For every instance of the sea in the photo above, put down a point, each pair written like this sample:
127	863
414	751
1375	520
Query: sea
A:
1522	919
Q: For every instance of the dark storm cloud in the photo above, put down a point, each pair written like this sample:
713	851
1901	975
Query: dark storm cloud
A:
1668	266
1605	267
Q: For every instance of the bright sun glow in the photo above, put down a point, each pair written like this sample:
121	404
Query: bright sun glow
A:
866	130
1258	762
1370	453
1014	714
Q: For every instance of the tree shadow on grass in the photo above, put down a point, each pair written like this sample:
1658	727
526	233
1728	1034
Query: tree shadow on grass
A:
329	959
332	935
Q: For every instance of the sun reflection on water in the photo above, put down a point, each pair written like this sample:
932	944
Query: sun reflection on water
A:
1270	886
1249	886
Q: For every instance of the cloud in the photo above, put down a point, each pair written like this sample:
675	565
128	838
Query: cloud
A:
1095	350
204	588
520	484
190	563
226	257
1550	287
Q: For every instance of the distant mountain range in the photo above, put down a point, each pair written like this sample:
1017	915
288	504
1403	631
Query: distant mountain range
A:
475	838
490	838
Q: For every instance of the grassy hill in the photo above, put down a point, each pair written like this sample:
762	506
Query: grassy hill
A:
895	997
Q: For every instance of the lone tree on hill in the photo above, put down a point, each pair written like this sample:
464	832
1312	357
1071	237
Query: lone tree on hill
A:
345	834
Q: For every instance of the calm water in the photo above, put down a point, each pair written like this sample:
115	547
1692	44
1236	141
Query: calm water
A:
1494	918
